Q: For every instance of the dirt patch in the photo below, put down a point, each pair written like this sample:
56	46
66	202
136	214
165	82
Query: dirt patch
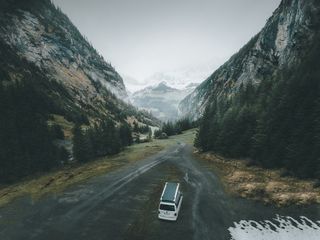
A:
260	184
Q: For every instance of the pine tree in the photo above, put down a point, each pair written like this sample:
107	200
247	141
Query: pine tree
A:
80	152
125	135
26	143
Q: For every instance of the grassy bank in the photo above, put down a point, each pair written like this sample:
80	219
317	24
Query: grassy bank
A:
268	186
59	180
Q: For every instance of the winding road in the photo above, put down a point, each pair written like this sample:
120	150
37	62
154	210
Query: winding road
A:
123	205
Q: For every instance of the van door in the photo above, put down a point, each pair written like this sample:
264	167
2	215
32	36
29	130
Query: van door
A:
167	211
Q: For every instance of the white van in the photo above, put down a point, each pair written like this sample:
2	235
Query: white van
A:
170	202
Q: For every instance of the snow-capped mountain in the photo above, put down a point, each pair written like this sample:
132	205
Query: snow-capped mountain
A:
178	78
182	77
161	99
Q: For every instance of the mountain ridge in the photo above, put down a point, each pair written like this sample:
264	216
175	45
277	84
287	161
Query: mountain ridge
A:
161	100
60	101
279	45
263	104
38	33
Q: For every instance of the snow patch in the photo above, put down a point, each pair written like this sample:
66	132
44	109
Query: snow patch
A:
280	228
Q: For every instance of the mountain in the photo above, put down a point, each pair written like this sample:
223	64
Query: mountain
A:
181	77
264	103
54	88
161	100
133	84
39	42
280	45
178	78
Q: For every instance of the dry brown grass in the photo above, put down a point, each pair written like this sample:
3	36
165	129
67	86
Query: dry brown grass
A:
261	184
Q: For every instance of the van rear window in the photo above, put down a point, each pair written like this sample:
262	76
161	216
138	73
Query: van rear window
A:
167	207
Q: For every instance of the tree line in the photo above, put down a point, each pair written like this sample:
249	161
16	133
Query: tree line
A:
104	138
25	138
276	124
170	128
28	143
140	128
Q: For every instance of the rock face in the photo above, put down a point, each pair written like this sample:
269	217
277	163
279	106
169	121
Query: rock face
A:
37	41
44	36
280	45
161	100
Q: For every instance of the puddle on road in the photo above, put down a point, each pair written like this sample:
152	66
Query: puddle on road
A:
284	228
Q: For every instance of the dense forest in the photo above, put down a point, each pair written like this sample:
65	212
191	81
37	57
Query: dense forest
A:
26	140
28	144
99	140
31	95
275	124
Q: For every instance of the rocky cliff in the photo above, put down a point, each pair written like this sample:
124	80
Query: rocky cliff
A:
280	45
39	42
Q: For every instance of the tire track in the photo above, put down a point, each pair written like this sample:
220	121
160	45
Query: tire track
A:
87	206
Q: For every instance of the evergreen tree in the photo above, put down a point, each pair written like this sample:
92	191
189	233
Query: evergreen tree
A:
275	124
57	132
125	135
26	142
150	134
80	152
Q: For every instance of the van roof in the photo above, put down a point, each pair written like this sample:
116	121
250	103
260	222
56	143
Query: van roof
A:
169	192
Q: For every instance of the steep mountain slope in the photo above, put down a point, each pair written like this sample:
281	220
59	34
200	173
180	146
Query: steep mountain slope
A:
264	103
36	35
52	83
280	45
161	100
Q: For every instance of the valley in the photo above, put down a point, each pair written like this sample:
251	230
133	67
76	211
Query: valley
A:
123	205
87	144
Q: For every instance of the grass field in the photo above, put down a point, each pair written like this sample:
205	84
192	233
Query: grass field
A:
57	181
256	183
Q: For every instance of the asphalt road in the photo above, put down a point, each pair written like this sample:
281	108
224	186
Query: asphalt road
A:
123	205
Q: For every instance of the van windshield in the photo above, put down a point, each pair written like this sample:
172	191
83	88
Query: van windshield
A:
167	207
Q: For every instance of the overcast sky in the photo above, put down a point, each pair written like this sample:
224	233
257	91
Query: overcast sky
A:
141	37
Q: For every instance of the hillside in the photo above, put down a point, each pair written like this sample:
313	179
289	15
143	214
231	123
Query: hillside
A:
263	104
51	79
280	45
36	34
